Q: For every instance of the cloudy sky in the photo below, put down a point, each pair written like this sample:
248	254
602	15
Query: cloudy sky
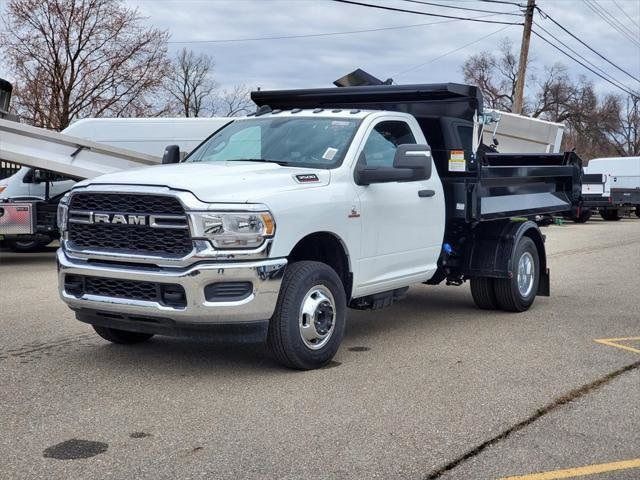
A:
429	49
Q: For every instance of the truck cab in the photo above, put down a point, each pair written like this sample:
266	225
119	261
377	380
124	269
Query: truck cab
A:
281	220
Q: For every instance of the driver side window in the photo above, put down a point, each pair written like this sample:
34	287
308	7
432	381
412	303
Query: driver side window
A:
383	141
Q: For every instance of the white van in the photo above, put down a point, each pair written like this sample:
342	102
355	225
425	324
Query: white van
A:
144	135
619	172
621	188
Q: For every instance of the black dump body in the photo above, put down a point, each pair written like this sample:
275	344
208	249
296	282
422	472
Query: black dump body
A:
491	185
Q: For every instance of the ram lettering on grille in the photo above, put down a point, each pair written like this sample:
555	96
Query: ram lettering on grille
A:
129	223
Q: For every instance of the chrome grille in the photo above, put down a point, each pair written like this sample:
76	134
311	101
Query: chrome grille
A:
132	239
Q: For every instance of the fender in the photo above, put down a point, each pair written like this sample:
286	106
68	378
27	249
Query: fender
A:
492	250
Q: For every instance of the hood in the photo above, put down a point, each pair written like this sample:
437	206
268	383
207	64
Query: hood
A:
228	182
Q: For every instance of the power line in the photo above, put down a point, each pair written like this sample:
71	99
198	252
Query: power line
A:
415	67
322	34
585	66
615	22
610	77
547	16
417	12
456	7
611	20
502	2
626	14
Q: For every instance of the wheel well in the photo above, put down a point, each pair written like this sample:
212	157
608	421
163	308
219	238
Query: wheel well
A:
326	248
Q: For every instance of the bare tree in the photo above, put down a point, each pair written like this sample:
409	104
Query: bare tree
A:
626	134
78	58
233	102
190	83
496	76
596	126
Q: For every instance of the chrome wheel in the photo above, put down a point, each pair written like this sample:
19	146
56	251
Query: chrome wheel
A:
317	317
526	270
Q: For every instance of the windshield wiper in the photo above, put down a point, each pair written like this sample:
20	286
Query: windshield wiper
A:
279	162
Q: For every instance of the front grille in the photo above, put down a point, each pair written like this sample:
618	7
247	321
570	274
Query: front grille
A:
126	203
126	238
164	293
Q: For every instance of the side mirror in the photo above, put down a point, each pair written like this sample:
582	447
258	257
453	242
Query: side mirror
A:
364	175
171	154
414	157
36	176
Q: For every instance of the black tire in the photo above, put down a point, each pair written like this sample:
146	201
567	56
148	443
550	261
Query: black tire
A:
584	216
285	338
483	293
610	215
507	292
638	212
27	246
122	337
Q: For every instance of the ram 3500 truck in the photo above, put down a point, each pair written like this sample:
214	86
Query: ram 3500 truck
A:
322	200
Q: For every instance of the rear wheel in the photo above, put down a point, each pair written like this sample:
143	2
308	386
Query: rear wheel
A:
638	212
123	337
307	326
516	294
610	215
482	291
584	216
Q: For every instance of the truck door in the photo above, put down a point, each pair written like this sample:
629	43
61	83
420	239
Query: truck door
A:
402	222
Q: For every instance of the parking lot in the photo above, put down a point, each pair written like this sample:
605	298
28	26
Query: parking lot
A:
429	388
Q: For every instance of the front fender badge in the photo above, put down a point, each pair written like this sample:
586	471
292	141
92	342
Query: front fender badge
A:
306	178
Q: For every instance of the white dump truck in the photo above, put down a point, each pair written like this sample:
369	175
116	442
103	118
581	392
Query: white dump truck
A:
322	200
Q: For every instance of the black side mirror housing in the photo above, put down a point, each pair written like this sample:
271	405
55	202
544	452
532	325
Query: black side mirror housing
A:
171	154
364	175
415	157
36	176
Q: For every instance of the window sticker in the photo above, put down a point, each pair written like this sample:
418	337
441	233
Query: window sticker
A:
329	154
457	163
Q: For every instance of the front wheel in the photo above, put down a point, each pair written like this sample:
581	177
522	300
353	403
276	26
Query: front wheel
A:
27	246
516	294
122	337
638	212
308	324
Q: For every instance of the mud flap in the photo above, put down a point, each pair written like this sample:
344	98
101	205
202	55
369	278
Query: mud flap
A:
544	284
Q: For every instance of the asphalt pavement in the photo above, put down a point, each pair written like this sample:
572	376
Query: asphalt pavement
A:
428	388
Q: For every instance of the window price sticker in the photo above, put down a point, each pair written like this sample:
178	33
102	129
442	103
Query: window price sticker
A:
457	163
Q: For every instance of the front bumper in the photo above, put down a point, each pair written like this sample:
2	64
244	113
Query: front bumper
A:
265	276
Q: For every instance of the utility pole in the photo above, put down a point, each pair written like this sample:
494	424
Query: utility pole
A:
524	54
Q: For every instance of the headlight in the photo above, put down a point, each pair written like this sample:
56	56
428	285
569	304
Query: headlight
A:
63	213
2	188
234	230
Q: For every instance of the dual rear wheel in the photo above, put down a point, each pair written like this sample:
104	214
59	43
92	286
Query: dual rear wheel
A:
515	294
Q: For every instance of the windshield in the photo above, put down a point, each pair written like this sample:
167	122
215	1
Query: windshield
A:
301	142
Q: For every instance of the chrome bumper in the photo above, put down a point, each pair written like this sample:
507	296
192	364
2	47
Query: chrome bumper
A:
265	275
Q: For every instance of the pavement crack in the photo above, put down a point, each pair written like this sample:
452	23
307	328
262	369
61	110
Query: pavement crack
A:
34	348
557	403
591	249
